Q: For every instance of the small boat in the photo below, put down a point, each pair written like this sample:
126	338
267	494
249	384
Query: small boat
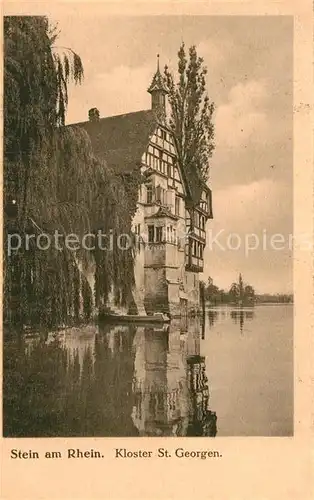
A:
132	318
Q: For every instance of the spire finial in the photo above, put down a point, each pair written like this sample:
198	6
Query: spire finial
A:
157	62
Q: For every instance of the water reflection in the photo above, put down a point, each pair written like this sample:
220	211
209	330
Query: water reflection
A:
108	381
238	316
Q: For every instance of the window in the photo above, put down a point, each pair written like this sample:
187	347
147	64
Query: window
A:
196	219
194	248
159	234
158	194
151	234
177	206
161	195
149	194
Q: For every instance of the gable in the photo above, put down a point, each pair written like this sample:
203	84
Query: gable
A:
160	157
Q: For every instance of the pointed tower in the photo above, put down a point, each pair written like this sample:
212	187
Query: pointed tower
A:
158	90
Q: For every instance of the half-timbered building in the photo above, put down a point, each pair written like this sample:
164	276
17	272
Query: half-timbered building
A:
169	223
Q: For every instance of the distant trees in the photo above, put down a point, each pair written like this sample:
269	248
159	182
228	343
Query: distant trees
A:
241	293
212	293
278	298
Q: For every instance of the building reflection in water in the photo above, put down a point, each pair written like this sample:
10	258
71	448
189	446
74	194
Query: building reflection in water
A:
170	384
108	381
212	315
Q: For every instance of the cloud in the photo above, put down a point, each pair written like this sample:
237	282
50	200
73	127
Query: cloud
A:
251	207
213	51
243	120
262	209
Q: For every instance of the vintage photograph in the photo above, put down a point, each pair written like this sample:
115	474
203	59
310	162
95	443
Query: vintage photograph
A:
148	226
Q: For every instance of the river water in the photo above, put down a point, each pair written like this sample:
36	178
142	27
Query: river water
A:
229	376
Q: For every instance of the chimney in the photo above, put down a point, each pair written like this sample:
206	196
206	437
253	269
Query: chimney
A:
93	115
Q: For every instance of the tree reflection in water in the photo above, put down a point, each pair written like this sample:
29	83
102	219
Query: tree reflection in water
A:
107	381
239	316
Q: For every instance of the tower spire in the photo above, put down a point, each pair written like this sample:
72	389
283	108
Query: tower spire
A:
158	90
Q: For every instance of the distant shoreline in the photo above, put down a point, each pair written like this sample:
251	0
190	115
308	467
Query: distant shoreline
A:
250	306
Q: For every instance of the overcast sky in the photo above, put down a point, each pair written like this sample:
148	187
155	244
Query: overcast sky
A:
249	62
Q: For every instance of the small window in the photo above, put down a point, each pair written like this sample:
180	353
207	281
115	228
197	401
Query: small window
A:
159	234
149	194
151	234
158	194
177	206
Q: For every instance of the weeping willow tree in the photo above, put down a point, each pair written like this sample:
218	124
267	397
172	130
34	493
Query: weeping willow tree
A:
53	182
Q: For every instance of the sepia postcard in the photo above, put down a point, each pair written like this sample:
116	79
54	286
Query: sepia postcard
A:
157	259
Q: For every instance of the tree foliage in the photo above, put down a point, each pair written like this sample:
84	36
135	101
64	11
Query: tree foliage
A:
35	98
238	293
191	114
56	182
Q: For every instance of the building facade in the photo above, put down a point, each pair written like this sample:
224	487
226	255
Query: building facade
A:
170	227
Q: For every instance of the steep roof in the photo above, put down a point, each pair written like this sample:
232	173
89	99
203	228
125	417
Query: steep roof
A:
121	140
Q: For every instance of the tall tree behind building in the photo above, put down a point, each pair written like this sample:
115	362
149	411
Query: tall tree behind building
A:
191	114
